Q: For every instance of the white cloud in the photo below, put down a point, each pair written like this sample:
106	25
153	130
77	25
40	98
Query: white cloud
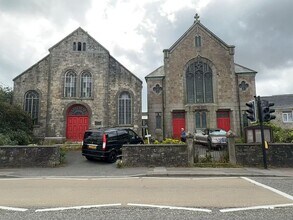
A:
136	32
274	81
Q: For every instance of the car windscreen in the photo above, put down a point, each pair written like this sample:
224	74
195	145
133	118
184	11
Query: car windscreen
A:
217	132
92	136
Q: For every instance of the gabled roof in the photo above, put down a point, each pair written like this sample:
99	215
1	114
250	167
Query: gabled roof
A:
280	101
157	73
78	29
31	67
197	23
241	69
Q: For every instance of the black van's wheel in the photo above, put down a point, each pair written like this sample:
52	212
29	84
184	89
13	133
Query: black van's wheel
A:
112	157
89	158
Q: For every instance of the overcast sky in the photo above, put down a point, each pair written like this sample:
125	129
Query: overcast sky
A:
136	31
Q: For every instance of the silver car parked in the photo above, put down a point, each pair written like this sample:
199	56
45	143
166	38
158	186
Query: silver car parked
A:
212	137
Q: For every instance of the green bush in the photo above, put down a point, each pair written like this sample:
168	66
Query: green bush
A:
16	127
20	137
5	140
281	135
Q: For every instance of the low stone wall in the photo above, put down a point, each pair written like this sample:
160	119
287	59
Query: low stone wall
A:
148	155
278	155
29	156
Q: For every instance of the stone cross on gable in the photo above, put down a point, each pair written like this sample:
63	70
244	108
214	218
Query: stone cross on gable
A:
196	18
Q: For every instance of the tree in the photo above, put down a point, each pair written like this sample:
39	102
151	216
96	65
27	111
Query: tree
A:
16	126
6	94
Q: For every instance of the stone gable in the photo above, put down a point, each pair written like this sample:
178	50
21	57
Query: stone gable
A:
78	53
198	44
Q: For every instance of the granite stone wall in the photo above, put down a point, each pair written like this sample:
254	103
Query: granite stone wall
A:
171	155
29	156
278	155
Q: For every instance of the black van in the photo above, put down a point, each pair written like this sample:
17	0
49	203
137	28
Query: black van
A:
106	143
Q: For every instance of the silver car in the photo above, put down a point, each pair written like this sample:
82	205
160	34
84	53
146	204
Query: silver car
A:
212	137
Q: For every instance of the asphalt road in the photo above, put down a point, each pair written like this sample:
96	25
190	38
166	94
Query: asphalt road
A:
79	188
179	192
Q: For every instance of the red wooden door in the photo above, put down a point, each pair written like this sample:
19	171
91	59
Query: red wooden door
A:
178	123
223	120
77	123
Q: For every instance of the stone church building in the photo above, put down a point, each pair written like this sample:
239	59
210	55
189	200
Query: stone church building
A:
199	86
78	86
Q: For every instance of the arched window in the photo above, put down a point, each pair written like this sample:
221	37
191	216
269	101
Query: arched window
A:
32	105
84	46
124	109
79	46
86	85
70	84
199	83
74	46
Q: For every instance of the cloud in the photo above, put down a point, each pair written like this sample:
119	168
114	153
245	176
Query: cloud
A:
136	32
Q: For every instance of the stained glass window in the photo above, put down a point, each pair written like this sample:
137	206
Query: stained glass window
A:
199	83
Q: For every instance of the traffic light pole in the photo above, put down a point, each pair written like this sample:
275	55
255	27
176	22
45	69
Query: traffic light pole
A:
260	117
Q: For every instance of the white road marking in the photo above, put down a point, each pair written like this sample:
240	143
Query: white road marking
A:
269	188
170	207
263	206
13	209
256	207
77	207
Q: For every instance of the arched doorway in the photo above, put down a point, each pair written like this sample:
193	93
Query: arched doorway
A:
77	122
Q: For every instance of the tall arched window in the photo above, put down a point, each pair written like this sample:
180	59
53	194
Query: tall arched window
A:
70	84
32	105
79	46
124	109
199	83
86	85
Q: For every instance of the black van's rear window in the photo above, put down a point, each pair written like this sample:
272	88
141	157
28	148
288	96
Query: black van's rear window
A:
92	136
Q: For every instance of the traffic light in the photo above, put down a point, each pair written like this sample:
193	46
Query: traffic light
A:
266	111
251	112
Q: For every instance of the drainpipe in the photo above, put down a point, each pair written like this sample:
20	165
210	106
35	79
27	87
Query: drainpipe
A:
239	107
163	105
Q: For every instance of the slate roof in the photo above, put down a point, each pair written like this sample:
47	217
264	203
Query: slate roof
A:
157	73
280	101
242	69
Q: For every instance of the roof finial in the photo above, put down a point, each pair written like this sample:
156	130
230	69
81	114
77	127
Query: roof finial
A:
196	18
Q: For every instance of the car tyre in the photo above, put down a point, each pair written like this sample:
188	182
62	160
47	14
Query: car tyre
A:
112	157
89	158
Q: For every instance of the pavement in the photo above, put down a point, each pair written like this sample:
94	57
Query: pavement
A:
77	166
